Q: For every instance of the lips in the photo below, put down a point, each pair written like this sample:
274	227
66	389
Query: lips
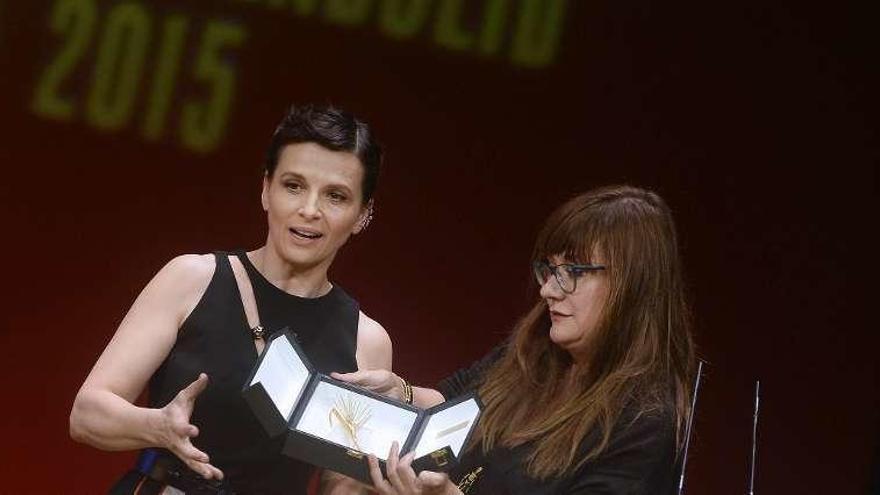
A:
556	314
304	233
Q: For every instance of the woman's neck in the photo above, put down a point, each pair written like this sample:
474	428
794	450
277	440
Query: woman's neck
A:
574	376
303	282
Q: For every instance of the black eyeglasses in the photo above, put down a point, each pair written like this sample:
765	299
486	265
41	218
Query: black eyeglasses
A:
566	274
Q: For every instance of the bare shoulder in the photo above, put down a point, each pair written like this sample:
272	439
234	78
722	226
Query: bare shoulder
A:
370	332
370	328
192	266
184	280
374	350
189	271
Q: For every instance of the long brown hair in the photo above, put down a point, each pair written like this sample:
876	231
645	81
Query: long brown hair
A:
641	356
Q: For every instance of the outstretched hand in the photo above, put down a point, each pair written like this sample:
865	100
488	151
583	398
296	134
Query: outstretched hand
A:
402	480
383	382
175	430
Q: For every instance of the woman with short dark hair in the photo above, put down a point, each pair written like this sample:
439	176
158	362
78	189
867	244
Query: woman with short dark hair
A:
187	336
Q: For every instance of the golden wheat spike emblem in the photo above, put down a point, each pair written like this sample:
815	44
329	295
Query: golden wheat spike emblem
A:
352	414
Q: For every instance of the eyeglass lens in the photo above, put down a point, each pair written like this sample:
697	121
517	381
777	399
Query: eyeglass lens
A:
563	277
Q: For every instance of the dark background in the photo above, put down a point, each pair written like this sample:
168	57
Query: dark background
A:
750	119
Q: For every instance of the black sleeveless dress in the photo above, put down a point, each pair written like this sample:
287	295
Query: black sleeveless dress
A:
215	339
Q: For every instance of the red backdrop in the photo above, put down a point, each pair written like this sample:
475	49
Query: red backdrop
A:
134	131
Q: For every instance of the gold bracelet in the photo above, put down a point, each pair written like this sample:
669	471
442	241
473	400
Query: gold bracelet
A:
407	390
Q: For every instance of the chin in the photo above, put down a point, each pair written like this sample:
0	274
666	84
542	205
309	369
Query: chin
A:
563	341
556	338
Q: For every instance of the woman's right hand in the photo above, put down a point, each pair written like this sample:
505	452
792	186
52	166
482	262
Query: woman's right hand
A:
402	480
382	382
174	430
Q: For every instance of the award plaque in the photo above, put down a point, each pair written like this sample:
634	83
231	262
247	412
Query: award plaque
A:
334	425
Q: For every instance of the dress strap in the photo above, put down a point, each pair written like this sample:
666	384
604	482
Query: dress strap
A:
246	291
252	271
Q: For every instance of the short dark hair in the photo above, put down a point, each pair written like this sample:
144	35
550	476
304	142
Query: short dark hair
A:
331	128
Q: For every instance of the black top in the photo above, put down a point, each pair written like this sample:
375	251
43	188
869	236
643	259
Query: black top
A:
215	339
639	460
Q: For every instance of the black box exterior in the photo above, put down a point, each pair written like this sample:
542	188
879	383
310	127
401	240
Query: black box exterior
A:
327	454
257	397
264	410
321	453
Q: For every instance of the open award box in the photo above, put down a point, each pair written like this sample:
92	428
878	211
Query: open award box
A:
333	424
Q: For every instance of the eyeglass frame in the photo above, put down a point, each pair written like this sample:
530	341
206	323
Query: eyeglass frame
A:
584	268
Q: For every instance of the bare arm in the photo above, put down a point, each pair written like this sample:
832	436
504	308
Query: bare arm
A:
427	397
385	382
103	413
374	351
374	368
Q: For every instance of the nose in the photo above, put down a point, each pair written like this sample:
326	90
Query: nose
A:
310	207
550	289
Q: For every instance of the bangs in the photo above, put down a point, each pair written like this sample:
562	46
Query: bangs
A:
572	232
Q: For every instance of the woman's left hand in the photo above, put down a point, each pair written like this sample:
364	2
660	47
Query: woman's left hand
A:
383	382
402	480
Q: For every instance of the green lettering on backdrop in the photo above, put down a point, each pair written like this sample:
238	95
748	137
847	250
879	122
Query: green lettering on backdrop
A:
304	7
127	36
493	26
403	18
276	4
537	32
118	67
202	123
347	12
448	31
299	7
75	20
165	77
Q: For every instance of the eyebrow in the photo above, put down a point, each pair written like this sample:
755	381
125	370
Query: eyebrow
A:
290	175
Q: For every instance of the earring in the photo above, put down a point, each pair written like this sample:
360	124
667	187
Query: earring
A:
368	217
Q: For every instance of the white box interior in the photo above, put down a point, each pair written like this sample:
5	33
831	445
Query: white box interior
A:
283	375
448	427
386	423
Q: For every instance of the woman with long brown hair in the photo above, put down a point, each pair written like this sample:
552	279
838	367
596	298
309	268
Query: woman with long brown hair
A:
591	392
